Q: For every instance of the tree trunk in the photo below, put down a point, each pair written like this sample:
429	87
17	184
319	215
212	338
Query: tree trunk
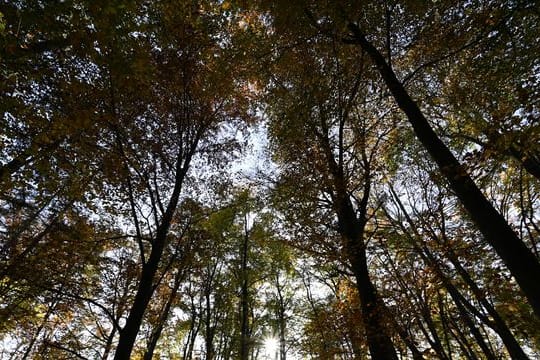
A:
475	332
156	332
380	344
436	343
458	334
244	300
497	324
351	226
282	321
187	351
209	328
521	262
373	310
529	162
146	288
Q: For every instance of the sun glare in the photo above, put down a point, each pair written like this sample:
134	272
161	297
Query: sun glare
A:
270	345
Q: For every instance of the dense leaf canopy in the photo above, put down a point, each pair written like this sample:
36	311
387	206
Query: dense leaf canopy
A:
269	179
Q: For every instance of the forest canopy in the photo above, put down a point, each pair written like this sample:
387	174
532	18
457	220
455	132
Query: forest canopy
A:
244	180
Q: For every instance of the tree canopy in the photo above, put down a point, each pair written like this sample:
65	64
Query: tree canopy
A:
269	179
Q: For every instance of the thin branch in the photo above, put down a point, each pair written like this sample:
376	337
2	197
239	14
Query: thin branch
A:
63	348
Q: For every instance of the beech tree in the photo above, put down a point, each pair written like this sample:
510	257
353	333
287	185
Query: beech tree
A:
520	260
341	142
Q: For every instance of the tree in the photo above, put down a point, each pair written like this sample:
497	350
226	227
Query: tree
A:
185	109
519	259
431	260
339	139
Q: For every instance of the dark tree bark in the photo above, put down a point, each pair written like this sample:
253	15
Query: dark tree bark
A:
145	290
209	325
497	323
210	316
244	298
194	327
455	330
475	332
351	226
521	262
146	286
529	162
374	312
156	332
435	343
282	320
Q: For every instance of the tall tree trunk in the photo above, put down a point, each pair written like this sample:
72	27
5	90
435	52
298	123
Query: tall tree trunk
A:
209	328
518	258
163	316
145	290
282	321
435	343
351	228
497	324
457	333
146	285
475	332
244	299
194	325
374	312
